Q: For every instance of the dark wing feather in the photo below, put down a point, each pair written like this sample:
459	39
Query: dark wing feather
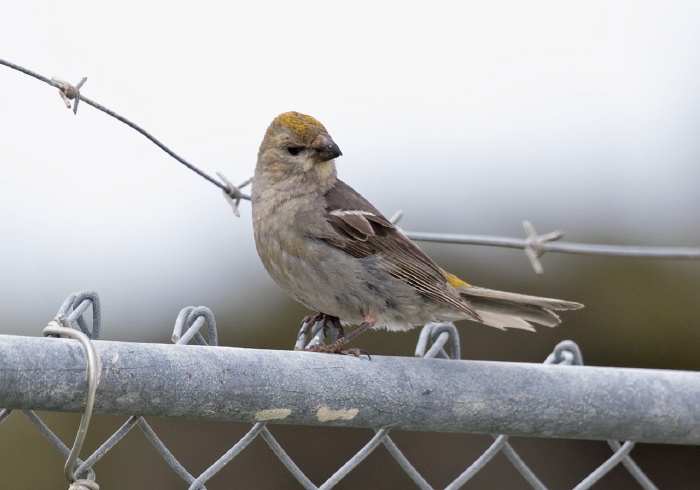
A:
362	231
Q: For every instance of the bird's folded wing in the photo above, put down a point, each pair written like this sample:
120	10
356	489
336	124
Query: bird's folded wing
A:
362	231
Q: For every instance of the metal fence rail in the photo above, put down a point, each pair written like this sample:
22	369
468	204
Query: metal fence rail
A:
248	385
560	399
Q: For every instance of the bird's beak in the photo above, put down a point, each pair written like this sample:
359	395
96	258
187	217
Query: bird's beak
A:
326	147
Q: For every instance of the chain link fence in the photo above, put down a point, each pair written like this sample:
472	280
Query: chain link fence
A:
439	393
558	399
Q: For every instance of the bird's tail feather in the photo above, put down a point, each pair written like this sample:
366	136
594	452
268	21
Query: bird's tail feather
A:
511	310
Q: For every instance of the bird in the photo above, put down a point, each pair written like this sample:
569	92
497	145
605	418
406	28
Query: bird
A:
330	249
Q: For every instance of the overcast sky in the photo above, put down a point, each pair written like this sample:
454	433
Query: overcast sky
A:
469	116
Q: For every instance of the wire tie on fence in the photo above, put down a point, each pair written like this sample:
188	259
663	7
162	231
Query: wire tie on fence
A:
84	485
233	194
62	327
535	245
69	92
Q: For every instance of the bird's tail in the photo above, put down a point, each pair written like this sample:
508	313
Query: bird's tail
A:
511	310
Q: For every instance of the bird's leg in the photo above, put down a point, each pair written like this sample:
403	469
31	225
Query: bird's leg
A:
367	324
308	325
336	329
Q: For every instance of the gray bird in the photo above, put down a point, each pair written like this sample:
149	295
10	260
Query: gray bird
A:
328	248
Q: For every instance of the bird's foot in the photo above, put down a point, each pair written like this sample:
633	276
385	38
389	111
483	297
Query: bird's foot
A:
339	342
337	348
317	327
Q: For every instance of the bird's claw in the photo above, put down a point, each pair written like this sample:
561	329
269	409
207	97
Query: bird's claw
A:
338	348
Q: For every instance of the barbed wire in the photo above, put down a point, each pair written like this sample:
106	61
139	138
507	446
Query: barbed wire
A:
69	92
534	245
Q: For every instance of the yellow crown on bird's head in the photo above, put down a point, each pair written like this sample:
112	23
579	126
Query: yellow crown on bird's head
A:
304	127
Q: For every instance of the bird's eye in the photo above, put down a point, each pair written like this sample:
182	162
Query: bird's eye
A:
293	150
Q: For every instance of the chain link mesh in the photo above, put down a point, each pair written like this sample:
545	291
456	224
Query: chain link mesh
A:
437	340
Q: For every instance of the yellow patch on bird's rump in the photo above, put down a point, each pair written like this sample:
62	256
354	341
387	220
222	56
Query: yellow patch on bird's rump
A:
453	280
303	126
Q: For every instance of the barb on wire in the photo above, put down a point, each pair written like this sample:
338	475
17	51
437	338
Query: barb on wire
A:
562	247
535	245
69	92
233	194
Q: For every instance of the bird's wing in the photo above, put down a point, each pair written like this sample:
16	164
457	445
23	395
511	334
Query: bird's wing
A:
361	230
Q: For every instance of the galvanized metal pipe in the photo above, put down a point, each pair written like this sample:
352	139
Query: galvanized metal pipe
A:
247	385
